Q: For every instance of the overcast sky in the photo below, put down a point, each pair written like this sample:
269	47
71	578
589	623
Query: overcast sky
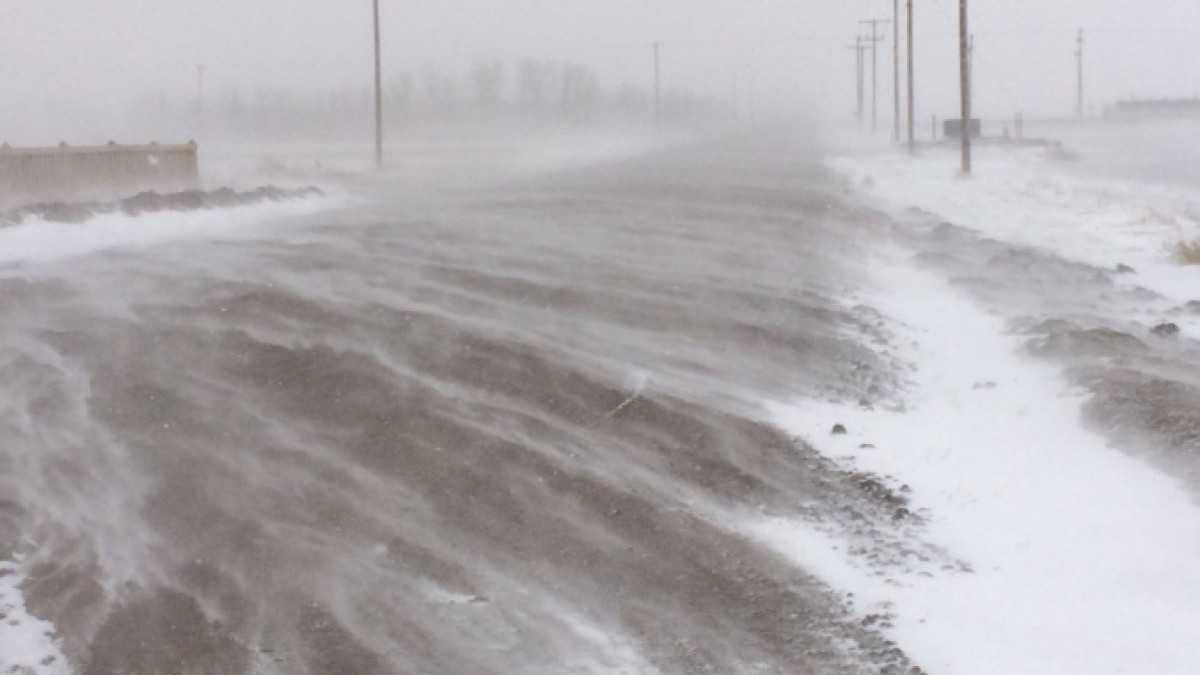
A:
761	51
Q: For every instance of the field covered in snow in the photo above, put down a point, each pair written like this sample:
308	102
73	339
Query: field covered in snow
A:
1028	197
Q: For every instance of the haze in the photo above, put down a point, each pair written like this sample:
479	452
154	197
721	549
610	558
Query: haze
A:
565	372
69	69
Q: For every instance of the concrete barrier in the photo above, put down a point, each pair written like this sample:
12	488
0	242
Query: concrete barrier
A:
95	172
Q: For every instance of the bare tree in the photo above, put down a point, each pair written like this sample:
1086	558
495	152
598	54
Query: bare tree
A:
488	80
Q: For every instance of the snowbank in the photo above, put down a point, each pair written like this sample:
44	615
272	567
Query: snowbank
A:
1078	558
39	240
1025	197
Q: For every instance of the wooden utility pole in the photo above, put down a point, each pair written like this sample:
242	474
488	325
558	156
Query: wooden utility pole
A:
895	71
912	140
1079	75
875	39
964	69
657	84
378	93
859	48
971	67
200	89
200	70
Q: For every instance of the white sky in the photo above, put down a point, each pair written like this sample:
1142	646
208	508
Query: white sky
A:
767	51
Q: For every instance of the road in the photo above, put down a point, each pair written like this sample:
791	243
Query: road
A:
582	420
497	428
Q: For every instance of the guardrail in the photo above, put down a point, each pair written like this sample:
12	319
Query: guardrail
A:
103	171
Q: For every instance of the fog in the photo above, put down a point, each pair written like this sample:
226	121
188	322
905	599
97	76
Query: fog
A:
574	383
88	71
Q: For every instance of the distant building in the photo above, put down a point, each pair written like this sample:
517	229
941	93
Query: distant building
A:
953	128
71	172
1154	109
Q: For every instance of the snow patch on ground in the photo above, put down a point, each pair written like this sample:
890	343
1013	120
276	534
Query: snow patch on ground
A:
41	241
1078	559
609	653
1022	196
28	645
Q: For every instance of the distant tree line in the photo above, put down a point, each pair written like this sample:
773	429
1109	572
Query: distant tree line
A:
533	92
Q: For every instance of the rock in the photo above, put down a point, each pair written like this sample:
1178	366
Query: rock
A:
1100	342
143	202
867	446
1165	330
1193	307
984	386
1125	269
60	212
1057	152
1052	327
839	430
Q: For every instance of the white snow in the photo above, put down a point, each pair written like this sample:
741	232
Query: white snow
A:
28	645
39	241
607	650
1022	196
1084	560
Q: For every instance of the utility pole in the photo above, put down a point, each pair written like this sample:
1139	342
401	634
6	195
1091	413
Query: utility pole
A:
971	69
200	90
200	130
895	71
912	142
964	70
1079	75
875	39
859	48
378	93
657	84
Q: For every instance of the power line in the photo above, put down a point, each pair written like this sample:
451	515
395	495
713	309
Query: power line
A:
965	80
895	71
859	48
874	40
1079	75
378	91
657	84
200	70
1014	99
971	66
912	142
